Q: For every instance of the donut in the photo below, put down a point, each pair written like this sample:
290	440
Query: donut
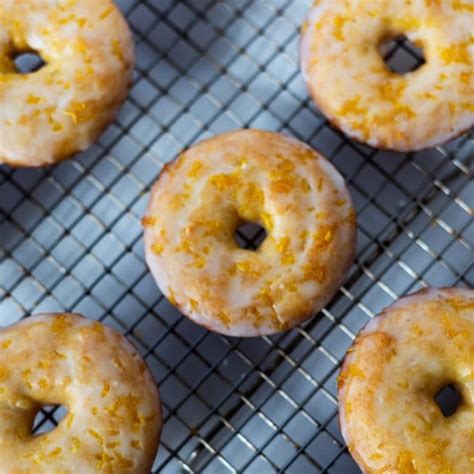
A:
59	110
255	176
347	78
387	386
114	417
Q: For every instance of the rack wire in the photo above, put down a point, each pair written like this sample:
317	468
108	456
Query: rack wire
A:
71	240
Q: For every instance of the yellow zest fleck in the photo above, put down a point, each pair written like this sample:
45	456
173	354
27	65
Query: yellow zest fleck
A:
376	456
102	460
76	444
405	23
6	344
113	432
157	248
94	411
44	364
351	107
339	22
305	185
283	247
459	304
117	51
105	13
282	178
96	435
185	246
195	170
55	452
78	111
193	303
224	181
43	383
34	99
324	235
224	318
349	372
340	202
59	354
113	444
55	125
314	271
249	268
26	375
123	462
457	53
267	220
405	463
466	77
70	420
199	261
320	184
148	221
253	196
136	444
4	373
459	5
105	390
243	162
179	200
417	330
172	297
351	218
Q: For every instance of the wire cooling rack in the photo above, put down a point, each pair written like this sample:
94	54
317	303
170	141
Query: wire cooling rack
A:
71	240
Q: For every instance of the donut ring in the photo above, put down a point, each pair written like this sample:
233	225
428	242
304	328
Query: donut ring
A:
114	418
352	86
388	415
59	110
249	175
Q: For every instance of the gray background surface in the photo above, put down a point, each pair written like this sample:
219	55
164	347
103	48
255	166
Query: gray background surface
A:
71	239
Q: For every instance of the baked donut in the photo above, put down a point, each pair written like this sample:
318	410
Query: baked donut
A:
346	75
114	417
48	115
249	176
399	362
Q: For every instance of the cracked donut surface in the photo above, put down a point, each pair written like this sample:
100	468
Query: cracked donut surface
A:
388	414
114	417
348	79
48	115
201	198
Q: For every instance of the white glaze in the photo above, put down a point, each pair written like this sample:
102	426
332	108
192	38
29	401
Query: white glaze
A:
114	417
348	80
59	110
397	364
222	289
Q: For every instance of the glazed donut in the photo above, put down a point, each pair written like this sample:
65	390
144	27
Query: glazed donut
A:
249	176
388	414
349	81
114	417
48	115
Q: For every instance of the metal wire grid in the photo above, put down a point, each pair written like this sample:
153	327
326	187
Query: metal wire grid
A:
70	237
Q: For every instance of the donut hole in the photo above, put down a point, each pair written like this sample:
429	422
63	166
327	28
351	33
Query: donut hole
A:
249	235
448	400
27	62
401	55
48	418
